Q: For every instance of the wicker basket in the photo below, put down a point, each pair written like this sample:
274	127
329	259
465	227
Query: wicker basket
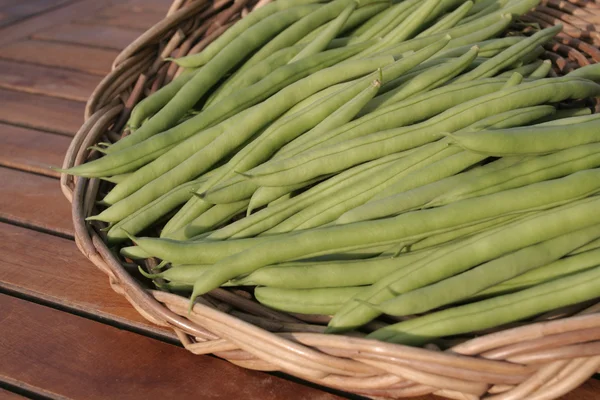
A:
543	359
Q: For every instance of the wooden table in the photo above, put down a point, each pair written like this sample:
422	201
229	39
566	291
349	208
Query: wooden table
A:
63	332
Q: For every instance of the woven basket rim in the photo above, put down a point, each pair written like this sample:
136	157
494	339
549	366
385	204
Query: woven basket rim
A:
469	370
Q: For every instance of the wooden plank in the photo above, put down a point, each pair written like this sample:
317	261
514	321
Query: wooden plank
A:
14	12
126	16
40	112
52	18
158	6
76	358
34	200
110	37
53	269
70	56
50	81
6	395
31	150
590	390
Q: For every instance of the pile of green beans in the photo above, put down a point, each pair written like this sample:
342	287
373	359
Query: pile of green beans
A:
359	158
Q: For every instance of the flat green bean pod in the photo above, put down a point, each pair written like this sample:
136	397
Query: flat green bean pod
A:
529	140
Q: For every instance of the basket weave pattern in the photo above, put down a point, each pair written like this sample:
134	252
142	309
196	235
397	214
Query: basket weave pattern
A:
541	360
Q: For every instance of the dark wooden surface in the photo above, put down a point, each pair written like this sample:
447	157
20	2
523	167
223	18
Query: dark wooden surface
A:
63	332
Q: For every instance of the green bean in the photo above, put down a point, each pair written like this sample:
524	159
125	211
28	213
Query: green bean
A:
463	285
481	35
245	124
340	156
487	48
496	311
330	208
495	6
411	110
459	257
407	226
542	71
147	215
427	80
438	169
530	140
461	233
333	28
363	14
305	301
557	269
560	115
296	31
510	55
134	253
395	201
391	18
570	117
591	72
115	178
316	112
187	273
516	8
237	29
524	70
449	20
157	100
407	28
537	169
271	216
253	74
231	105
191	251
480	5
208	221
593	245
267	194
324	274
214	70
286	129
370	22
192	209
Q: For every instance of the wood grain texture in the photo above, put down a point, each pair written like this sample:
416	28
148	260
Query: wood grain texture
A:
49	81
53	269
110	37
17	11
78	358
41	112
63	55
34	200
134	16
31	150
60	15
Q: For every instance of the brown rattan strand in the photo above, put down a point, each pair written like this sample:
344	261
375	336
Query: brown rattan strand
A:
542	360
548	342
